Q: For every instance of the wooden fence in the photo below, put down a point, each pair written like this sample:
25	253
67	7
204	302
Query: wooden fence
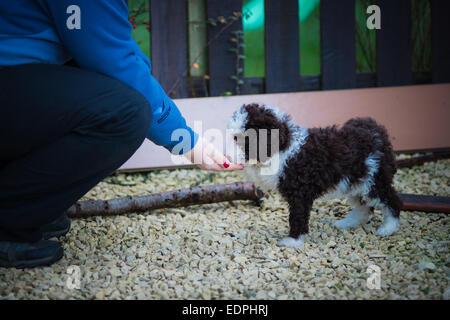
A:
169	43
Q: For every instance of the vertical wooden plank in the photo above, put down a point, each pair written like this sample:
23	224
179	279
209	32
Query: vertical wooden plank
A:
282	46
440	9
168	21
253	85
337	29
222	62
394	52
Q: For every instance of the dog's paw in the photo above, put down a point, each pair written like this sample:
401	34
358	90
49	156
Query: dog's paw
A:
347	223
292	242
388	228
344	224
353	220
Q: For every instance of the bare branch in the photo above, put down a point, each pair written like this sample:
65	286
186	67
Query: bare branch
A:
169	199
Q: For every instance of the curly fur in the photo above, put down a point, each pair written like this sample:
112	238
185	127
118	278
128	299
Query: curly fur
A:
355	160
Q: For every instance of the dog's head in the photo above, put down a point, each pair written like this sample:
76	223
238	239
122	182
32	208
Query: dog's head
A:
258	132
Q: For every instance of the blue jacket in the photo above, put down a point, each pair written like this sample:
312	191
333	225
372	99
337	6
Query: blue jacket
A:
36	31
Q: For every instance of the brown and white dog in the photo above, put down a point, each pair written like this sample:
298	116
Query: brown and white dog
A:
355	161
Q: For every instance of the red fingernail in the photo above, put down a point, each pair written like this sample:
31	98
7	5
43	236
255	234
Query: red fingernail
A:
226	164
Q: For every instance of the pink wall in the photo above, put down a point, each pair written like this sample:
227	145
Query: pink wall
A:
417	117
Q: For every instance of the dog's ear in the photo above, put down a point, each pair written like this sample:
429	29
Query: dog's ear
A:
285	136
262	117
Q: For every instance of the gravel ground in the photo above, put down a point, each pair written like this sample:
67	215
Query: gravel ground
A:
229	251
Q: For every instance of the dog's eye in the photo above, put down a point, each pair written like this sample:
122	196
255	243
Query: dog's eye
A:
235	138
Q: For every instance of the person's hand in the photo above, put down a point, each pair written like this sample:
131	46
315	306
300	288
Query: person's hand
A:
207	157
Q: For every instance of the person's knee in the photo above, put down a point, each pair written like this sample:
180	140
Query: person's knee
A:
126	117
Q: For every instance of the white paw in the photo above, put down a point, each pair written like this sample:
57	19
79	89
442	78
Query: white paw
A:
353	220
348	223
388	228
292	242
344	224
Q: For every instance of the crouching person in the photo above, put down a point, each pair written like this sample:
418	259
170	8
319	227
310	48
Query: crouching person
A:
63	129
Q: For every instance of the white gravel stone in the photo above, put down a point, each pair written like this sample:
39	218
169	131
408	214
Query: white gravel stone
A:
426	265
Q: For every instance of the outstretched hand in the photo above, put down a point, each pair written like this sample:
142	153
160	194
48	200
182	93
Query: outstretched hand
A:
207	157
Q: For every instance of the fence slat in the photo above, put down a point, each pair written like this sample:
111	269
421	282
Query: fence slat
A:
394	52
441	46
168	20
222	62
337	30
282	46
253	85
310	82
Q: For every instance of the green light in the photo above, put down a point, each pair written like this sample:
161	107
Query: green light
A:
255	10
306	7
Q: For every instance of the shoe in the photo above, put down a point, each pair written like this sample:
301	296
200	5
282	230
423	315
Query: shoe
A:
28	255
57	228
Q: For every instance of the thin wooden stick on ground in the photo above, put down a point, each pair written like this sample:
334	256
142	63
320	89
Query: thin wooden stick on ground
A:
416	202
219	193
417	161
169	199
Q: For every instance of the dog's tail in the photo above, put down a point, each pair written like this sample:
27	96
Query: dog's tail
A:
369	131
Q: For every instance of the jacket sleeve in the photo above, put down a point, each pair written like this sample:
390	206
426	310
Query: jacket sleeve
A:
104	44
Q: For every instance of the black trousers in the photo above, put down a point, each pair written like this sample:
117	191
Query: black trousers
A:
62	130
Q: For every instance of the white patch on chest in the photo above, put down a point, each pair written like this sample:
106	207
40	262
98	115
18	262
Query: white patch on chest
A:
264	182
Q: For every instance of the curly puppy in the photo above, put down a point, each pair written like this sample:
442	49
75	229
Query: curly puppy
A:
355	160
